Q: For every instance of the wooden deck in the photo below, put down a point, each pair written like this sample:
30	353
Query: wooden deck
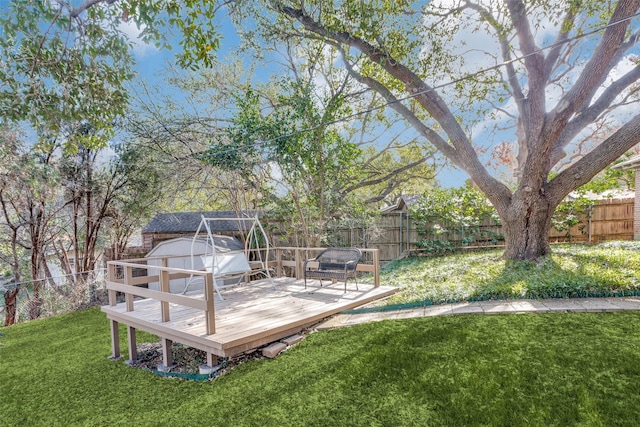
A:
250	316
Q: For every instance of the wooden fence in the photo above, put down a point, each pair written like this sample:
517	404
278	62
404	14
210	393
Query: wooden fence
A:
396	232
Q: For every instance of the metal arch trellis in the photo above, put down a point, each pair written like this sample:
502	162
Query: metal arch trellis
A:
256	243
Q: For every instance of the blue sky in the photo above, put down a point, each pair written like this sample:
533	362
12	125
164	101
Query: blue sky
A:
150	62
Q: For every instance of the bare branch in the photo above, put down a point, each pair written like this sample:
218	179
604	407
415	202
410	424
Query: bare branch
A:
559	43
590	114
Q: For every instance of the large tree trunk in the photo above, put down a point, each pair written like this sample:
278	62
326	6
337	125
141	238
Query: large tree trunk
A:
526	224
10	306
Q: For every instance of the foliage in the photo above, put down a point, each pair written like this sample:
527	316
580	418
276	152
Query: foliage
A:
64	66
311	167
612	179
608	269
57	70
570	212
452	217
540	369
59	209
426	61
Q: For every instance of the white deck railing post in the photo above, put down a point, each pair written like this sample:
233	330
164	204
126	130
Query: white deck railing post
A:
111	277
278	262
298	264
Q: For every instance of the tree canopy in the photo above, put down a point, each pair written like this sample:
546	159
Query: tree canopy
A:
545	88
549	75
63	65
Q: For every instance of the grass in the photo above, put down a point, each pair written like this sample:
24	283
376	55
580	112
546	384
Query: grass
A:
535	369
609	269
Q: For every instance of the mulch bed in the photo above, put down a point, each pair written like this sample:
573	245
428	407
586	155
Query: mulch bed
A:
187	359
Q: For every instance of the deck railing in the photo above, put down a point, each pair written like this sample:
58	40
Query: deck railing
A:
294	257
120	278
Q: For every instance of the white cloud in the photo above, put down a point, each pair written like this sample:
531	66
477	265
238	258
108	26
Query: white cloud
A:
132	32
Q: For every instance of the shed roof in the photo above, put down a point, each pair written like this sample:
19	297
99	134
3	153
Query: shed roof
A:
402	203
188	222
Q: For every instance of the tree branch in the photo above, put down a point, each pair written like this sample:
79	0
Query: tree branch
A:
595	70
559	43
87	5
516	89
463	153
590	114
586	168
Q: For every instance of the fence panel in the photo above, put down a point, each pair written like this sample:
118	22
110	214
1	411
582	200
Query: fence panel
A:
395	232
65	296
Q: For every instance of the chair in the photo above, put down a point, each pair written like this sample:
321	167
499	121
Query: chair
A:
334	264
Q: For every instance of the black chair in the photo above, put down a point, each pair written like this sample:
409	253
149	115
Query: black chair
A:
334	264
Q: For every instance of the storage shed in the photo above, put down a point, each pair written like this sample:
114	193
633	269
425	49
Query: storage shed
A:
180	248
170	225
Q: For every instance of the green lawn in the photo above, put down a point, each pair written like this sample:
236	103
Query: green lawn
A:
527	369
609	269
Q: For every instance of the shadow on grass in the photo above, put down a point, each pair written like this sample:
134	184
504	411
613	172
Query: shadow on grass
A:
572	271
565	274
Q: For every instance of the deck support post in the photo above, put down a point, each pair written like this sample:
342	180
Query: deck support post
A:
115	340
132	344
212	359
167	354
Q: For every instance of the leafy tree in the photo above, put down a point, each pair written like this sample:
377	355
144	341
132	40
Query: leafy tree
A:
446	215
30	202
313	168
235	129
67	62
559	68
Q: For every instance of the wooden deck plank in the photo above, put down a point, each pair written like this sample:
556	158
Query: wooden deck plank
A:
250	315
